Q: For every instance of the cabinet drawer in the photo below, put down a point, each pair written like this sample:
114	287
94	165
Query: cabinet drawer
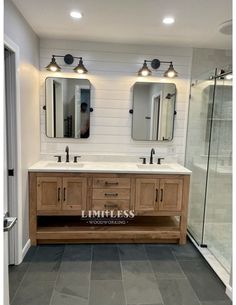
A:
110	204
111	183
111	193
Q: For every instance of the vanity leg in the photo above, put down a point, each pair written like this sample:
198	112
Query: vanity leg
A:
183	230
33	208
184	216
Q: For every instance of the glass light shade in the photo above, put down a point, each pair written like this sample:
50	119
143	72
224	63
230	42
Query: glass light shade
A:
144	71
80	68
53	66
170	72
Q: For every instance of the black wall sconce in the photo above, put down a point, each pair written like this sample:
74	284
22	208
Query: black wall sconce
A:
155	64
68	59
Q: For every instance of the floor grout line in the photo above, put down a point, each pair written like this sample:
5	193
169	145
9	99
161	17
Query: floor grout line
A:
90	277
27	269
58	273
122	275
150	263
146	259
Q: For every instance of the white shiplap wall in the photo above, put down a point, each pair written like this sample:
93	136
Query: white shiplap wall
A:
112	73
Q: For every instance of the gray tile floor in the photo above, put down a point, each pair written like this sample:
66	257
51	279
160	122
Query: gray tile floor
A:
117	274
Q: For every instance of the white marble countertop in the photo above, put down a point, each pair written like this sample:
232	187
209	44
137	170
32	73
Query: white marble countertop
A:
109	167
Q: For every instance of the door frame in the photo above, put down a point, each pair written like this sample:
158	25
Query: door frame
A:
17	209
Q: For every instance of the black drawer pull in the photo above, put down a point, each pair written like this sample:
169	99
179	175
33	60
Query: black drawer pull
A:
64	194
156	195
59	194
111	183
161	195
111	206
111	194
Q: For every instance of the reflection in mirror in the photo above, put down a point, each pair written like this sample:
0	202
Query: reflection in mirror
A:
67	107
153	111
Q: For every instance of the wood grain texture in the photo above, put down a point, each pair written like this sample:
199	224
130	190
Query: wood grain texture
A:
146	194
33	208
112	193
74	193
49	193
141	196
108	182
110	204
184	216
171	191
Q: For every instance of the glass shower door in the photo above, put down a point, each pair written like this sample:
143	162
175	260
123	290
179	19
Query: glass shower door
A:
218	216
197	150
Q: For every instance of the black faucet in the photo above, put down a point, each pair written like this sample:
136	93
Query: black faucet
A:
67	154
151	156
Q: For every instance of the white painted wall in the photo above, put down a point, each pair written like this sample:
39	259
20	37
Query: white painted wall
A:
18	30
112	73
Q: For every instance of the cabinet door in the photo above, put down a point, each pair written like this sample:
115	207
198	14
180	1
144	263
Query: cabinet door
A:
170	194
74	193
146	194
49	193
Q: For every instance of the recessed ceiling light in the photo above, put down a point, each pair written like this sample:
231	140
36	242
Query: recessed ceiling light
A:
76	15
168	20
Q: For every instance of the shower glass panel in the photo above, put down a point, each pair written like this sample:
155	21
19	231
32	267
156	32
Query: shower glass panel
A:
218	218
209	156
197	148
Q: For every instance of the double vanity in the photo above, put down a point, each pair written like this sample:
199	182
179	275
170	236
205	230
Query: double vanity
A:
74	199
148	202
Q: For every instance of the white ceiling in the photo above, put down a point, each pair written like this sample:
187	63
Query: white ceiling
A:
132	21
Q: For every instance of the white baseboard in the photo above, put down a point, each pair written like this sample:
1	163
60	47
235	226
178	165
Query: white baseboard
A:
26	248
229	291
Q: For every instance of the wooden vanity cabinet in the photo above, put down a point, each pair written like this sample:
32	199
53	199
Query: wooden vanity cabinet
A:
58	194
49	193
58	199
170	194
146	198
158	195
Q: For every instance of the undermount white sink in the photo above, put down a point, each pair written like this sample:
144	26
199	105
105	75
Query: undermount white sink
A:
64	164
156	166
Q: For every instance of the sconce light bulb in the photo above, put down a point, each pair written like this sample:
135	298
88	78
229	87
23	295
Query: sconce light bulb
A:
80	71
53	69
144	73
171	74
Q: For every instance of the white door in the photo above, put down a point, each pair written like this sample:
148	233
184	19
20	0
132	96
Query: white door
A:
10	157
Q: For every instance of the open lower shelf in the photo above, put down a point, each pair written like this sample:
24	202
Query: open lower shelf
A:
142	229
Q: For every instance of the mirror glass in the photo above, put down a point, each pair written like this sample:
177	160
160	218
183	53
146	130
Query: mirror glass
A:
153	111
67	107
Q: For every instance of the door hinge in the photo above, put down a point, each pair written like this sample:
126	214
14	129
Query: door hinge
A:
11	172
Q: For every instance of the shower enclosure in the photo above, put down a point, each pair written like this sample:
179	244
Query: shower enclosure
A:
209	156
